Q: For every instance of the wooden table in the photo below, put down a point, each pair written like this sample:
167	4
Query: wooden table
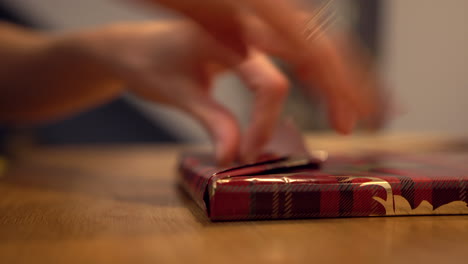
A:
120	204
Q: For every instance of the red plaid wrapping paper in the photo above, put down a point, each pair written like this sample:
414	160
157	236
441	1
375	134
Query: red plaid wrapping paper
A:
374	185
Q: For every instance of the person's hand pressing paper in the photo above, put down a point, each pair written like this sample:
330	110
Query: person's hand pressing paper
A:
172	63
175	64
277	28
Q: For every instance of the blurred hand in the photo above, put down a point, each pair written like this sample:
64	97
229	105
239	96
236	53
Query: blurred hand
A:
338	72
175	63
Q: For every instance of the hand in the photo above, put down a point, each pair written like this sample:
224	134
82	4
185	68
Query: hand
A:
324	64
175	64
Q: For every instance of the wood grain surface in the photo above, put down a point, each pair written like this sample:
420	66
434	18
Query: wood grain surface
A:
121	204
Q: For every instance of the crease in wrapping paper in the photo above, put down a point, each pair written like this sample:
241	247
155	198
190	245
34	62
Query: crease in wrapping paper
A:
288	169
286	152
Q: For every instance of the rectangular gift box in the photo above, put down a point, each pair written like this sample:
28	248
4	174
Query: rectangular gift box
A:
308	186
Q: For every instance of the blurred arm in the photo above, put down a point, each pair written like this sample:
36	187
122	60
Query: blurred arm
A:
43	77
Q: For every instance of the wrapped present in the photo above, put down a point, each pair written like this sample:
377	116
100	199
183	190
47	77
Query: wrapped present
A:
346	186
290	182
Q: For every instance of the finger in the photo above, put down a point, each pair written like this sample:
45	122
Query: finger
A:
221	125
333	66
270	87
323	69
185	95
366	75
283	18
224	19
341	117
214	53
337	81
219	17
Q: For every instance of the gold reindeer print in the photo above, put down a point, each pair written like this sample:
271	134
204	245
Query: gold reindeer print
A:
398	205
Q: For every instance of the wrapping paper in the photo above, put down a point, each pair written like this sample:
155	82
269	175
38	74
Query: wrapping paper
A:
289	182
341	186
